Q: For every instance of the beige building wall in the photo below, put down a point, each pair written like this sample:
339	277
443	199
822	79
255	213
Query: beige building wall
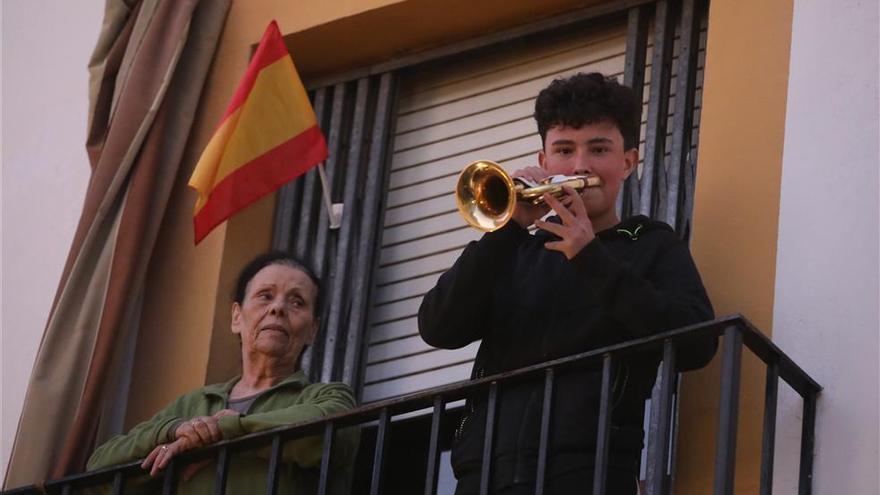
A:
828	256
45	49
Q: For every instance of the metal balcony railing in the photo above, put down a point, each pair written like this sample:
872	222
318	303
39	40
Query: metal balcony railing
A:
737	331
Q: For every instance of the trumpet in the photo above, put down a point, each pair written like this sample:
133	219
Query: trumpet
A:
486	195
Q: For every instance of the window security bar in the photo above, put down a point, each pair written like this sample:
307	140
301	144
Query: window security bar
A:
737	332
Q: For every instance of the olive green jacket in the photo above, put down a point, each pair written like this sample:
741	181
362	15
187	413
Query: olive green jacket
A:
291	401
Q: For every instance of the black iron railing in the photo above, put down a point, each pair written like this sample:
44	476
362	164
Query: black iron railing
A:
737	331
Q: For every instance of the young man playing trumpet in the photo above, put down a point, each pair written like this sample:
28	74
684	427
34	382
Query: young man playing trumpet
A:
584	280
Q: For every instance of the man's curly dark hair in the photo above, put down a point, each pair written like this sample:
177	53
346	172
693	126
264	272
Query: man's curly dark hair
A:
585	99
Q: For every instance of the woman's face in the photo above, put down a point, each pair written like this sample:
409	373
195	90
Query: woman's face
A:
277	316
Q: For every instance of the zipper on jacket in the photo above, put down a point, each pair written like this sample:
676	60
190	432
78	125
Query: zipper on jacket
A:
460	429
469	408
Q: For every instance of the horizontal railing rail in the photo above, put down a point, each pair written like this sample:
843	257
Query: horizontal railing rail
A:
736	330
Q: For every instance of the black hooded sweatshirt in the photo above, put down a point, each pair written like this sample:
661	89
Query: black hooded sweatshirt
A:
529	304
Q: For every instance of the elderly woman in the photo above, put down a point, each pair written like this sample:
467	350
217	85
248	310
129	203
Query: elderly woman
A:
275	314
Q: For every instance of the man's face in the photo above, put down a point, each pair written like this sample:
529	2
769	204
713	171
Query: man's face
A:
597	150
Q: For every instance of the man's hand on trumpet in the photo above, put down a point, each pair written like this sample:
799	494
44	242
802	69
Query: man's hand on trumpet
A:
576	230
526	213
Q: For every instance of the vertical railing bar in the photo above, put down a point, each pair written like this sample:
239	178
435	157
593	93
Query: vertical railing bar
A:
808	432
433	467
117	484
653	170
488	439
691	155
544	440
333	330
335	147
66	490
169	484
600	472
306	214
274	466
379	457
326	458
286	208
725	456
634	77
366	261
683	112
636	51
303	245
304	235
768	442
657	481
222	471
689	184
320	239
653	425
673	434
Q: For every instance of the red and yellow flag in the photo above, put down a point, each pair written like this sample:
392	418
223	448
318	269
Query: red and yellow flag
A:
267	137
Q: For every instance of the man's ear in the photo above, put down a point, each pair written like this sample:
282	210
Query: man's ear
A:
542	159
630	161
236	318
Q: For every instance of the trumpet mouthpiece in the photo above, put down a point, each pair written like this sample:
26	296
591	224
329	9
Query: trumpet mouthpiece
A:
593	181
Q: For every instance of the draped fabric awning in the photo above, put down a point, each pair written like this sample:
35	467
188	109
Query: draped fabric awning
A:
146	77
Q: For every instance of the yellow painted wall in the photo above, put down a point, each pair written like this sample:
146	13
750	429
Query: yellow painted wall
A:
736	216
172	347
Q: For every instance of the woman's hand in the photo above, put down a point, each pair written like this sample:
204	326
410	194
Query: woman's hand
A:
576	230
159	458
200	431
190	435
203	430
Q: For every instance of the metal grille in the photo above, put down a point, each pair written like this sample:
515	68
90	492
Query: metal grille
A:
356	117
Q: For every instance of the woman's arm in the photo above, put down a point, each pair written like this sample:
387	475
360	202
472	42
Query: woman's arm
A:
141	440
317	400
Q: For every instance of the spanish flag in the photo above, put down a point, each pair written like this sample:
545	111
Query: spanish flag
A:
268	136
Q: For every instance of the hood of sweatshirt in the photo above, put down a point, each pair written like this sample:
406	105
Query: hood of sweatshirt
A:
631	228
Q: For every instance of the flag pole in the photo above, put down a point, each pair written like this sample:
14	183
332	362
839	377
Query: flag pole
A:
334	210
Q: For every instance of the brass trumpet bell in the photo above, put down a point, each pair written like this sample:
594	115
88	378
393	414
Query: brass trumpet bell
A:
486	195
